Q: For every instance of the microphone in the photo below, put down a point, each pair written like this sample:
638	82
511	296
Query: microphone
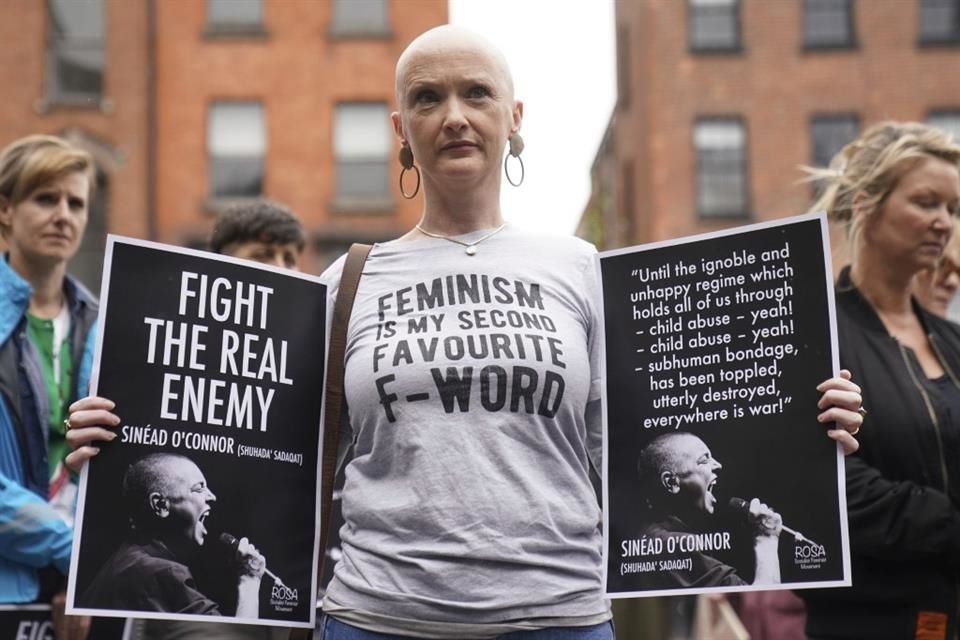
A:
231	541
742	506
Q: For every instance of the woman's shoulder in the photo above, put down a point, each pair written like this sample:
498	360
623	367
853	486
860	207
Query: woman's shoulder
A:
332	274
562	247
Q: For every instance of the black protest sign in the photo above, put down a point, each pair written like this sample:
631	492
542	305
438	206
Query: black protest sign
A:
216	366
26	622
714	348
35	622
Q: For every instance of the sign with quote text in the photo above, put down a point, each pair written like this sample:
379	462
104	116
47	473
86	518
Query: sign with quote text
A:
203	507
717	474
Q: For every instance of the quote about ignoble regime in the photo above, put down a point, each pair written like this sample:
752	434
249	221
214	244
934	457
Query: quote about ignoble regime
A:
714	335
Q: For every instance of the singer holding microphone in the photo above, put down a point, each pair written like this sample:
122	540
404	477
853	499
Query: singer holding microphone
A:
677	476
168	502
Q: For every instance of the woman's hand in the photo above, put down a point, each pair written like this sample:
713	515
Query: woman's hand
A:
841	403
91	420
66	627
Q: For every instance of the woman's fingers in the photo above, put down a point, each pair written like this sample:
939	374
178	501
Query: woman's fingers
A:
848	420
76	458
841	404
92	402
77	438
848	443
842	382
92	418
840	398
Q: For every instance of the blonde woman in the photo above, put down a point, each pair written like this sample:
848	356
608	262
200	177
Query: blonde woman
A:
897	188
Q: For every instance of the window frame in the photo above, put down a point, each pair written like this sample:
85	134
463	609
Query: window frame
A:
736	47
339	30
745	209
346	202
213	196
945	112
850	42
54	93
822	118
951	39
215	29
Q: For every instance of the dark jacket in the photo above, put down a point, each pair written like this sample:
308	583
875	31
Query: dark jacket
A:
702	570
144	575
903	486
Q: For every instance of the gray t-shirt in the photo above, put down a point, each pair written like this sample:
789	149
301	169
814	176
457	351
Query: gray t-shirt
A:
473	385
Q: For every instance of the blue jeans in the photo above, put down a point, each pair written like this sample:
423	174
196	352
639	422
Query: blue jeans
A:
333	629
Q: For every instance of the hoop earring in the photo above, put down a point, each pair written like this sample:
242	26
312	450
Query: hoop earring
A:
406	161
516	148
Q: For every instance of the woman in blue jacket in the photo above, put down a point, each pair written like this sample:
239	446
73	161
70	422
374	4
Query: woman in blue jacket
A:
46	346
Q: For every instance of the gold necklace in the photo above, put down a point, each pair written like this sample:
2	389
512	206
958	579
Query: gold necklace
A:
471	247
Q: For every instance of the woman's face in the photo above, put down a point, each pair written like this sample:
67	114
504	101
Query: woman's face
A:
914	223
936	288
48	225
456	112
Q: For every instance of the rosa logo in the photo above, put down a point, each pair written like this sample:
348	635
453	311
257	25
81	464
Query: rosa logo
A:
809	552
285	593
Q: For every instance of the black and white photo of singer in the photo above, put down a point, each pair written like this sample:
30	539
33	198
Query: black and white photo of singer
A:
168	501
678	474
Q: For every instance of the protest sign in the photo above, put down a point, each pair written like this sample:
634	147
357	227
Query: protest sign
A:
26	622
204	505
35	622
714	347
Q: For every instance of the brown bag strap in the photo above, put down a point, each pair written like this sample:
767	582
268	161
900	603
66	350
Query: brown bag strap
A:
334	398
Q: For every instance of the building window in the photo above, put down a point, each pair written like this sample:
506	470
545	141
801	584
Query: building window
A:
827	24
829	134
714	25
234	16
361	141
940	21
361	18
948	120
236	144
721	167
75	51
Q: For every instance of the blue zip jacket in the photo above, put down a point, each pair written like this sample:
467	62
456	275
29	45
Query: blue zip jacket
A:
32	535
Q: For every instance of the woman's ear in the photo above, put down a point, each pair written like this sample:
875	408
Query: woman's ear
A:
6	213
670	482
858	206
397	124
159	505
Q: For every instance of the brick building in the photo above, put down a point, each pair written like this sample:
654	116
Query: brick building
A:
720	101
188	105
